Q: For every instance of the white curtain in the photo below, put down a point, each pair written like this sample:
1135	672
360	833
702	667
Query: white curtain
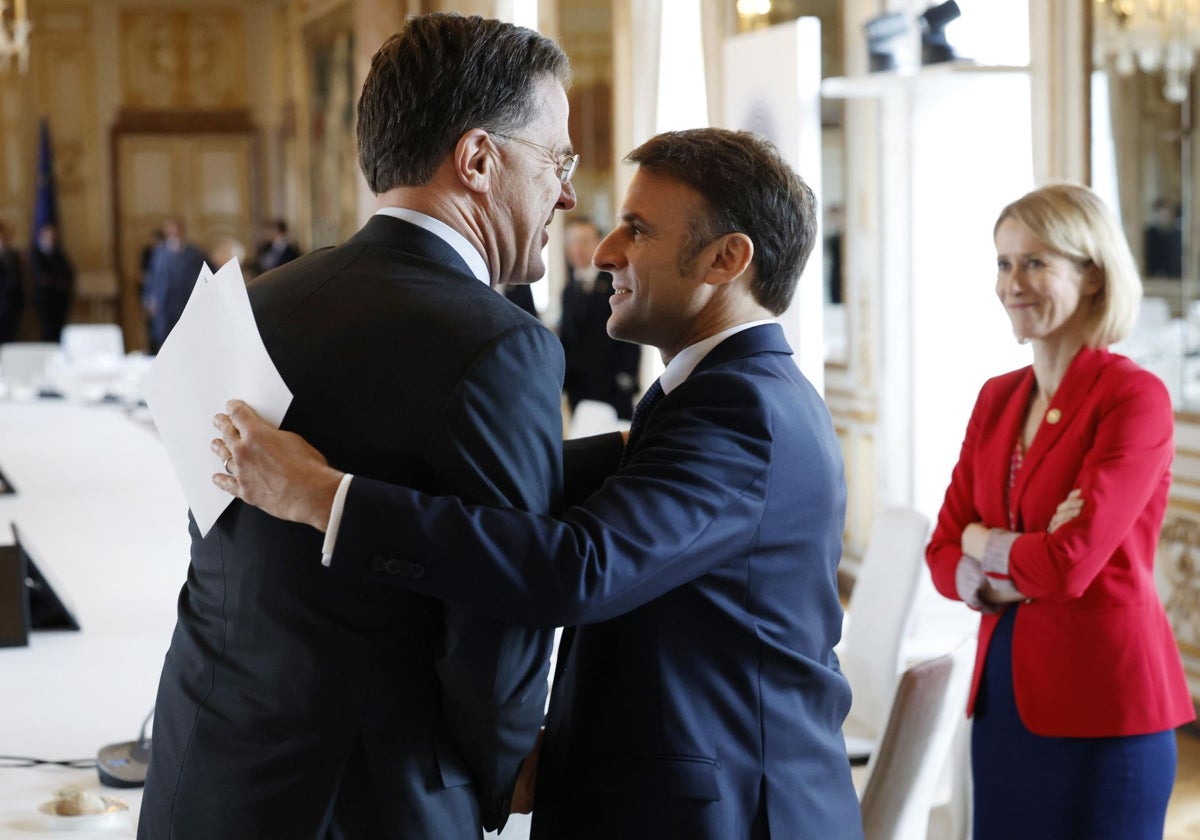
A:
637	28
715	24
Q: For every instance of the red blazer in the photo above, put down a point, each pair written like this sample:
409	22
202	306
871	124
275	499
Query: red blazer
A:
1093	653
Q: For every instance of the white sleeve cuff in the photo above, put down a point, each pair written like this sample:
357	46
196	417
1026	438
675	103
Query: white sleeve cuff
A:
969	580
335	519
996	552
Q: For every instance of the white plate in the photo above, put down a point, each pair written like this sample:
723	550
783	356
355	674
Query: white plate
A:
117	816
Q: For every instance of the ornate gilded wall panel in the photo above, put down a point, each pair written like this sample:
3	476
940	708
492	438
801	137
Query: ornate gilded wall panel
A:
202	179
1178	575
331	93
63	81
15	179
182	58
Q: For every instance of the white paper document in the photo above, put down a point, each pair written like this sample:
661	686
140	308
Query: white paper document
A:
214	354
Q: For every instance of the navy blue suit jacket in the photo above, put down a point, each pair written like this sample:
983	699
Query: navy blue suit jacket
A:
698	695
293	700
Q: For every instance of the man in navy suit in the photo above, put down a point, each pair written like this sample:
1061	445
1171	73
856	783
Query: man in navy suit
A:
170	276
697	693
298	704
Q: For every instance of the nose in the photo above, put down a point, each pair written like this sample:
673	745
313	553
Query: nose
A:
1016	279
608	257
566	197
1010	282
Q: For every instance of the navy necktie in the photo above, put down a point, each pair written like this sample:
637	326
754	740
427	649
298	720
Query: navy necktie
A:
645	405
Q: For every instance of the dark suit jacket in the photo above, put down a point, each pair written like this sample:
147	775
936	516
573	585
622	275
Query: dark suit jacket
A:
268	258
52	276
12	294
700	696
598	367
1093	654
291	696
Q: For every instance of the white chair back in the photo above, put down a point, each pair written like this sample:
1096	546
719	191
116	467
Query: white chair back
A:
903	772
880	616
24	364
592	417
84	344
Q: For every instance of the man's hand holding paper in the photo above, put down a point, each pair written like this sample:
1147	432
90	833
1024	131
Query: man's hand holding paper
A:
214	352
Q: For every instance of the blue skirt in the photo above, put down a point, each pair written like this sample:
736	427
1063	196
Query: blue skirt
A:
1037	788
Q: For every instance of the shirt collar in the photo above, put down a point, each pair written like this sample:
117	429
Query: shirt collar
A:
681	367
444	232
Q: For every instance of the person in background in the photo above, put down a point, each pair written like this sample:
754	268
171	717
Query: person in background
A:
53	278
835	221
1163	241
169	279
296	705
156	239
697	694
599	367
12	288
275	249
1049	529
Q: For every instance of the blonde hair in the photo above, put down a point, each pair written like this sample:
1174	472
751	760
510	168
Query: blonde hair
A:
1074	222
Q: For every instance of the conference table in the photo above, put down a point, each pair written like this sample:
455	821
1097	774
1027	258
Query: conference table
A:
100	512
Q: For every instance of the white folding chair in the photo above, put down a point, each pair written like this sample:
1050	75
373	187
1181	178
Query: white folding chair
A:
879	617
903	772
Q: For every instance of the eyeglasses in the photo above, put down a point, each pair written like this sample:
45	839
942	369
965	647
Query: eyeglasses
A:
564	167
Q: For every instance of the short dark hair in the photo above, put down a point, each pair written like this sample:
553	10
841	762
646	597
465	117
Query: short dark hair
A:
748	188
437	78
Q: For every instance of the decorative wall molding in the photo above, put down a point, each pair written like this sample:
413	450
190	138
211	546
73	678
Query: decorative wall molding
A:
182	58
1178	574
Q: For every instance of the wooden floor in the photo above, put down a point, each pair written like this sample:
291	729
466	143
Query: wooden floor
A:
1183	813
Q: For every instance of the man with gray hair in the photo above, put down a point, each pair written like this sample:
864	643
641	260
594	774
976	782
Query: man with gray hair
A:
296	705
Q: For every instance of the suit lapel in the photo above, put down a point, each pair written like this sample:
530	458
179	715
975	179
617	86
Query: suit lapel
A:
1077	384
767	338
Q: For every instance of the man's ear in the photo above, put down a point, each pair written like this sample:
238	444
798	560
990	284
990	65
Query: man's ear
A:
731	257
475	158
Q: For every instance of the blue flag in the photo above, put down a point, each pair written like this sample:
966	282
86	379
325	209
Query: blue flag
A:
45	203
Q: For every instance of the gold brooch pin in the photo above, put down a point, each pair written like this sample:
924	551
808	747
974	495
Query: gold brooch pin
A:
1053	416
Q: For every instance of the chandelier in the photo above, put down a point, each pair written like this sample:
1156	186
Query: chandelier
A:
1150	35
14	36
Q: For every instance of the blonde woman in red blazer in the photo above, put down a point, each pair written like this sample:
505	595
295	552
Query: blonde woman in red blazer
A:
1049	529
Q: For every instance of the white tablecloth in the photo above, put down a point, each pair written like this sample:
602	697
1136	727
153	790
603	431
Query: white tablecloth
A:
101	511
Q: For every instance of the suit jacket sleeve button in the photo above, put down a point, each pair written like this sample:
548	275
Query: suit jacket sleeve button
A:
392	566
417	571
